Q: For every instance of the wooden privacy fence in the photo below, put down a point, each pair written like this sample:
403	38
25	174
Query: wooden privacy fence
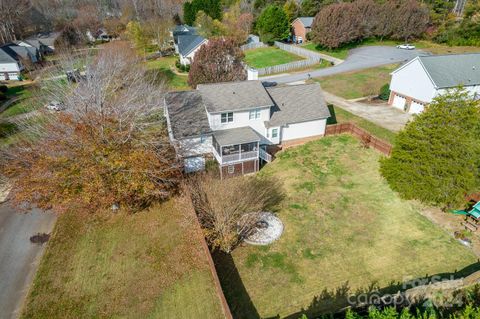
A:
365	137
286	67
253	45
298	51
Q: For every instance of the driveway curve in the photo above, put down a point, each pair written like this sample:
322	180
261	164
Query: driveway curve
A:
359	58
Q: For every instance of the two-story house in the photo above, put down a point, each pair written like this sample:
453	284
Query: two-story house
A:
236	122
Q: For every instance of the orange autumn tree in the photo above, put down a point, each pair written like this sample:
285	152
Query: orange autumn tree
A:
108	147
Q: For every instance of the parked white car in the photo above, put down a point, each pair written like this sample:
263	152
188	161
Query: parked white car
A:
406	46
55	106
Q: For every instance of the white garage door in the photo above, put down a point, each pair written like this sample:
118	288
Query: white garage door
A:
416	108
399	102
194	164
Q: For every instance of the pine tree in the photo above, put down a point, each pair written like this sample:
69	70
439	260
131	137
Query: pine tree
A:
273	24
435	159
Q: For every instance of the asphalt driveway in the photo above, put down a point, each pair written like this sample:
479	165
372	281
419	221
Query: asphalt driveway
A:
19	258
359	58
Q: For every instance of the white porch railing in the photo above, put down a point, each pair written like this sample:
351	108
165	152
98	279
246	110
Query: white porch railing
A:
238	157
265	156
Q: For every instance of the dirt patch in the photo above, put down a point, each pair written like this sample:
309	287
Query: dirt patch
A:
451	223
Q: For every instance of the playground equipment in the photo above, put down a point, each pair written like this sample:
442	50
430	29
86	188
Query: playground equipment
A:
472	217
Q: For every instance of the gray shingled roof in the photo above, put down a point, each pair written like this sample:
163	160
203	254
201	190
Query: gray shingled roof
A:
306	21
452	70
236	136
187	114
6	55
188	43
183	30
296	104
234	96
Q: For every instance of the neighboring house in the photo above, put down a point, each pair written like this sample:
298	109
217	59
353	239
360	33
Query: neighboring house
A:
188	45
236	123
10	67
181	30
300	27
44	42
30	54
416	83
100	35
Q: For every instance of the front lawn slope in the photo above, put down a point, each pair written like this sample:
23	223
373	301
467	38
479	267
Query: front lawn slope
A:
147	265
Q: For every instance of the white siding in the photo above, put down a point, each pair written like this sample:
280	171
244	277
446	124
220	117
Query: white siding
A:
194	146
241	119
473	90
413	81
302	130
9	67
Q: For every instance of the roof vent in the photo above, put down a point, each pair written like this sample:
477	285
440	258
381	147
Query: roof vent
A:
473	67
233	92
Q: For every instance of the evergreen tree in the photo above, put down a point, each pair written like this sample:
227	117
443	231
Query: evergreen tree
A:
273	24
435	159
212	8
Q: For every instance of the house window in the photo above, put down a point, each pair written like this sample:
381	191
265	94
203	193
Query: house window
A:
227	117
274	132
254	114
231	169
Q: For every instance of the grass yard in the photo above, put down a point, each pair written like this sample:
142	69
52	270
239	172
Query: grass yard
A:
163	68
146	265
270	56
344	231
353	85
340	115
435	48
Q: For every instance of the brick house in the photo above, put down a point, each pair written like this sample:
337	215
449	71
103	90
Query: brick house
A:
300	27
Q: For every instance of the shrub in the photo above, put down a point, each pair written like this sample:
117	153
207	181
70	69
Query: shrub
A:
3	97
3	88
384	92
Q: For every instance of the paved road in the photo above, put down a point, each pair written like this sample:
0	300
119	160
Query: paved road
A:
18	257
360	58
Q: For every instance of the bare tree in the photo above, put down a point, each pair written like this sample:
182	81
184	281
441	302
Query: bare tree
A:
229	209
11	13
109	146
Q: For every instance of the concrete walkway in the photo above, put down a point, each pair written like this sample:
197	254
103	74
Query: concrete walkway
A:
380	114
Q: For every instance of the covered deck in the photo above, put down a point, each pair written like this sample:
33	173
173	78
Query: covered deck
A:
235	145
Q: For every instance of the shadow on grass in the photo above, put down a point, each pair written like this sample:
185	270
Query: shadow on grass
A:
334	302
7	129
328	302
333	117
237	296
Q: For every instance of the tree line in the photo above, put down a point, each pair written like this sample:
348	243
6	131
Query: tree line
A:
345	22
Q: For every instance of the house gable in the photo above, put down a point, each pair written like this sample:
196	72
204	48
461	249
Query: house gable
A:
413	81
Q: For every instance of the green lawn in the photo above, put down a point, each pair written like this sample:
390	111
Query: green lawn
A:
435	48
358	84
162	68
146	265
340	115
270	56
344	230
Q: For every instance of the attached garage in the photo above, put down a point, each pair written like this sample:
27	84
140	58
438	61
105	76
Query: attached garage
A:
399	102
194	164
416	108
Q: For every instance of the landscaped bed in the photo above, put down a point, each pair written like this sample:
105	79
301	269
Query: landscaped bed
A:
344	230
270	56
147	265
